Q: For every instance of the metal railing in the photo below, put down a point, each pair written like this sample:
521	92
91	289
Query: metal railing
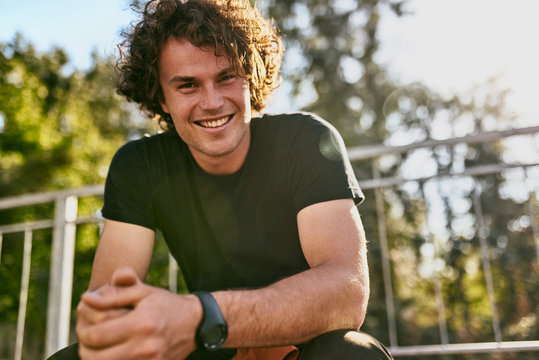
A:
63	227
66	220
377	184
62	255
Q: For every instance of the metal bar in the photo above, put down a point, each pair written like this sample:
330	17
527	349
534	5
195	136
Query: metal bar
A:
466	348
41	198
441	310
482	234
366	152
53	308
172	274
87	219
442	325
34	225
386	269
471	171
23	297
61	275
533	224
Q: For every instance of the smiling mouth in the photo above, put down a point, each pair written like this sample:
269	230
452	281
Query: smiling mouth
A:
214	123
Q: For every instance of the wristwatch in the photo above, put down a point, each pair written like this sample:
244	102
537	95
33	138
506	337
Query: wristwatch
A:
212	331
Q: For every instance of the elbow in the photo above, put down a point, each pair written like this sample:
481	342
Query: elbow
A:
355	309
358	307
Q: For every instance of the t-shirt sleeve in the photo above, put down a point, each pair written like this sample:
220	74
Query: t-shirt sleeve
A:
321	167
128	188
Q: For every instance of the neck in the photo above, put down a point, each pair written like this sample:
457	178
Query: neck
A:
227	163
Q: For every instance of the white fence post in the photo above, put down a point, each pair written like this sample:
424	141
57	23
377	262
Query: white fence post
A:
386	261
172	274
61	274
25	280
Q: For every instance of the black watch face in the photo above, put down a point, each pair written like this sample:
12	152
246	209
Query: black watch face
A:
214	337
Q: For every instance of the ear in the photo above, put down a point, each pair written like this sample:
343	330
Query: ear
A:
163	104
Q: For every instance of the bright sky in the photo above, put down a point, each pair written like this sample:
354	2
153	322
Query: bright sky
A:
450	45
78	27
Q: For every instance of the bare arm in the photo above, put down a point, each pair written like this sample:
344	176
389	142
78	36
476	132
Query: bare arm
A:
121	317
332	294
121	244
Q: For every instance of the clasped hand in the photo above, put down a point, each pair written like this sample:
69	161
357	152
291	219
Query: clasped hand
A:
127	319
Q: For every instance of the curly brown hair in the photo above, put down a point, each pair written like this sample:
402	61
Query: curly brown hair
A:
248	39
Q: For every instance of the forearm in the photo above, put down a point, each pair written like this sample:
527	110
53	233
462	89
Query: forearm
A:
121	244
296	309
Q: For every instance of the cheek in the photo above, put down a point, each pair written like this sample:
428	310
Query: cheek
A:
179	108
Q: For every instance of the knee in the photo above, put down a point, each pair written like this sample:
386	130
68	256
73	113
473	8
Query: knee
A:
344	344
68	353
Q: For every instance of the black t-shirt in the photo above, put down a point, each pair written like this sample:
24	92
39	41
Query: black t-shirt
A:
238	230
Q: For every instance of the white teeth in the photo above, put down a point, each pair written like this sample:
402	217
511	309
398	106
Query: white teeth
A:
214	123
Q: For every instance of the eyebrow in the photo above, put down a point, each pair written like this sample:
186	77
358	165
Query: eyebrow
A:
180	78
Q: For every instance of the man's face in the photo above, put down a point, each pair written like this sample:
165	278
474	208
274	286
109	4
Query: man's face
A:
208	102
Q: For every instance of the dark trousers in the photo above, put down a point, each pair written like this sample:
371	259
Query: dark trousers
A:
344	344
334	345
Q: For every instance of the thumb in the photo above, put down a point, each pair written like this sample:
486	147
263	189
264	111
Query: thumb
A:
125	290
124	276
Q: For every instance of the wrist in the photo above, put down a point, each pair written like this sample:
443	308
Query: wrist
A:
212	331
196	309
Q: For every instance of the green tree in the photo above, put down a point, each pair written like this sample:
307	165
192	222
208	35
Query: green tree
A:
63	126
59	129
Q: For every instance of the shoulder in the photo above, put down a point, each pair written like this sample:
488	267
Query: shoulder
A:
298	133
148	147
298	136
293	125
290	120
148	142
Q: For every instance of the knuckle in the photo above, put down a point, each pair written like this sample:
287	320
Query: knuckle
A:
90	338
151	350
98	316
91	316
82	309
147	324
78	329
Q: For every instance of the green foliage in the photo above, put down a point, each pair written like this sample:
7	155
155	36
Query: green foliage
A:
64	127
59	129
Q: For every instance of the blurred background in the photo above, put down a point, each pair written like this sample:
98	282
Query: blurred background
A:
435	100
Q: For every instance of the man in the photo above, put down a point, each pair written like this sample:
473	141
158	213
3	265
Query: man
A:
259	211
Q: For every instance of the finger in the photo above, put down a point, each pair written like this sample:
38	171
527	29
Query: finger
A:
89	315
109	333
126	350
116	296
107	295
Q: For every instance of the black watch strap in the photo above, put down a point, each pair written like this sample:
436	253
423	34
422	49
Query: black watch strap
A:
213	330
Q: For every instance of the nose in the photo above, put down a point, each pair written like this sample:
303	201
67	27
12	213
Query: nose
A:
211	98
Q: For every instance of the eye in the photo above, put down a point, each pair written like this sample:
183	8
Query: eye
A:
185	86
228	76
